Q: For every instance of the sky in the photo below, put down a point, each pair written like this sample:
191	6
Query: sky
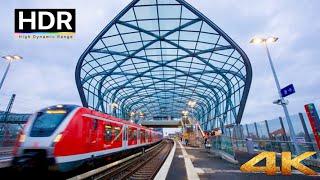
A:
46	74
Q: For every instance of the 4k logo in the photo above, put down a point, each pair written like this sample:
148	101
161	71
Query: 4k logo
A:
44	20
286	163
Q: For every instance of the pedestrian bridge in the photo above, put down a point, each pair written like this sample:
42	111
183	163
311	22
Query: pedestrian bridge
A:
162	124
13	118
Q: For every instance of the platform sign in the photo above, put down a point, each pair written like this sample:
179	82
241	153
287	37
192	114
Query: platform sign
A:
314	121
286	91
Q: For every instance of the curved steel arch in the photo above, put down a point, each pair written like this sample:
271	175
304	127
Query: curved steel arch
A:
164	53
189	74
198	94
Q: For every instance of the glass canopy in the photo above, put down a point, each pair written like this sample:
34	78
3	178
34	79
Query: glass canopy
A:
155	57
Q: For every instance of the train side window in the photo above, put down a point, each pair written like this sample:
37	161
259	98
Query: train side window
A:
108	133
130	134
95	124
143	136
134	134
117	133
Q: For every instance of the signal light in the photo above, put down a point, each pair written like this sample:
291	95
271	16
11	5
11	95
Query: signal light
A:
22	138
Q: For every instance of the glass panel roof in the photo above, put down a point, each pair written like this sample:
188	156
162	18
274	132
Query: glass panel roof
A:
157	55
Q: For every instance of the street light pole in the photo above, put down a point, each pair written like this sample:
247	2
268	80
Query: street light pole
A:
282	102
5	74
192	104
10	58
265	41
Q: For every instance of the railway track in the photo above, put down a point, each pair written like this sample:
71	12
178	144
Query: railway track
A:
143	165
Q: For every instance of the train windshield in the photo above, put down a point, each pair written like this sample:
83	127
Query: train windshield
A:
47	122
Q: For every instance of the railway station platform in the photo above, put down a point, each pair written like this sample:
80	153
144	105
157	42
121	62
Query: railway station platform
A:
190	163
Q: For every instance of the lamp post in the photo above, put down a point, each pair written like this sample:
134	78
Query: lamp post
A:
282	101
132	114
185	113
141	115
184	117
9	58
192	104
114	107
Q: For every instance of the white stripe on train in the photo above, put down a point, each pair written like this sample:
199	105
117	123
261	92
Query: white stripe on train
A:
78	157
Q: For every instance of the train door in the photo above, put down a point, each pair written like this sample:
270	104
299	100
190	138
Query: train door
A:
147	136
125	136
93	135
117	141
142	136
138	136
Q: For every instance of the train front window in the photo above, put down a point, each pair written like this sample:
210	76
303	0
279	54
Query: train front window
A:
47	122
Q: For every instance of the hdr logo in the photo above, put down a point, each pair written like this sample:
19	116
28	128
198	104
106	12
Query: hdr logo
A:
45	21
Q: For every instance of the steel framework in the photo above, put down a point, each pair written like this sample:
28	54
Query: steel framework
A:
155	56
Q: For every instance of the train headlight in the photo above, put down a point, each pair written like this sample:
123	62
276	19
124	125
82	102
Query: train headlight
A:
22	138
58	137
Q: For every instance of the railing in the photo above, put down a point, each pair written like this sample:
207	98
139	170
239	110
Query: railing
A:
223	143
7	141
268	135
275	146
245	149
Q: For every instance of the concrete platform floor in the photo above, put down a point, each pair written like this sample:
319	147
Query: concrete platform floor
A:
205	166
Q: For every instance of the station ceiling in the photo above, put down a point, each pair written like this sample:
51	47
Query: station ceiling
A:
157	55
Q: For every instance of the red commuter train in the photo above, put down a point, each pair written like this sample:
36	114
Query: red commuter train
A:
65	137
